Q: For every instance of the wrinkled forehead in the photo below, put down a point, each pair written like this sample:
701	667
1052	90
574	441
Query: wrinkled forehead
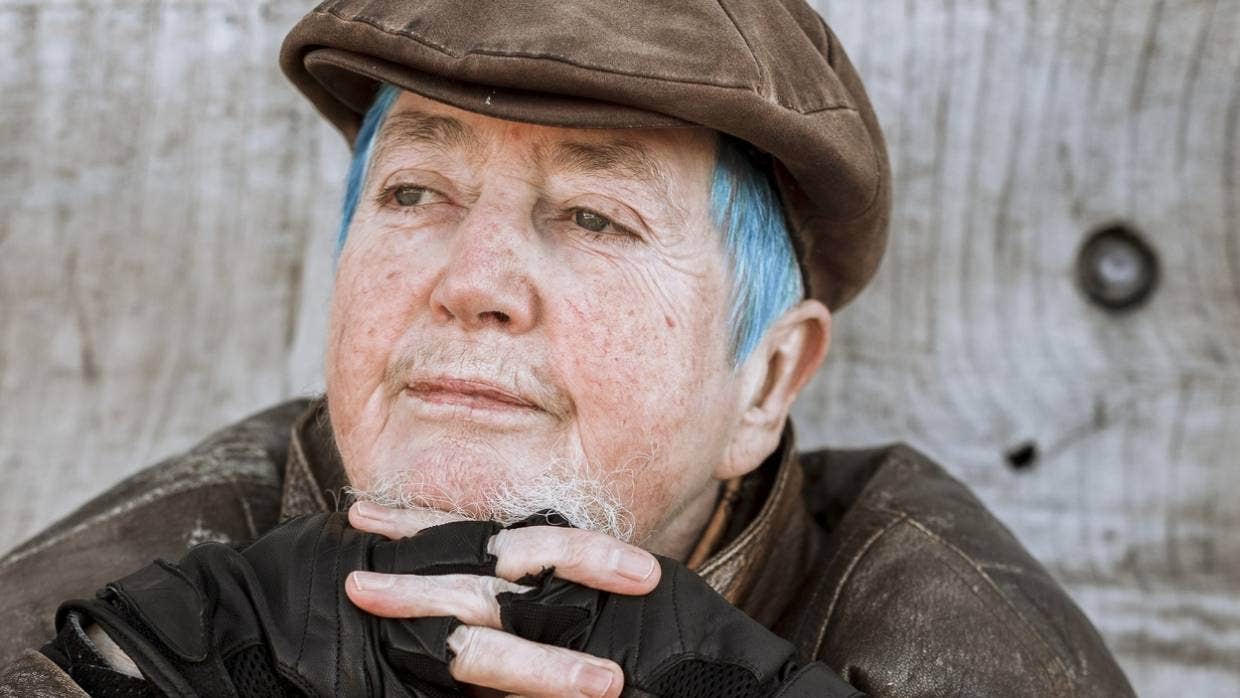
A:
664	158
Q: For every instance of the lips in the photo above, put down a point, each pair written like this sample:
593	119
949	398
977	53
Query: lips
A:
473	393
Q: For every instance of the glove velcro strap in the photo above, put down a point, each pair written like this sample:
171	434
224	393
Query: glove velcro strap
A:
162	590
459	547
816	680
160	665
555	612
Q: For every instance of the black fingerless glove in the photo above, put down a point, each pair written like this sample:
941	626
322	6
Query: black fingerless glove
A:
272	619
682	639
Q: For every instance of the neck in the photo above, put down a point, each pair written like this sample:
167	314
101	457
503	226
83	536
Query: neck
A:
682	530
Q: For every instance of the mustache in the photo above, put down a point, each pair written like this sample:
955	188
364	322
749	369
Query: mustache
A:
529	380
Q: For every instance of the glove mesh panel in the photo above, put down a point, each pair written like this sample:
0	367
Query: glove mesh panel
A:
552	625
433	677
253	676
100	682
695	678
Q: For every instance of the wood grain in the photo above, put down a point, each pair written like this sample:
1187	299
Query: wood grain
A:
1015	129
165	227
168	204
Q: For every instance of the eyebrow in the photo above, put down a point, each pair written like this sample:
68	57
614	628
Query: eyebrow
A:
615	157
411	128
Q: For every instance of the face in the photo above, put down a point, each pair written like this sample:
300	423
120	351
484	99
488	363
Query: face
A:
520	304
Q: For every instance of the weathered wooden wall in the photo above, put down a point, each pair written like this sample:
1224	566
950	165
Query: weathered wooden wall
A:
167	206
1015	128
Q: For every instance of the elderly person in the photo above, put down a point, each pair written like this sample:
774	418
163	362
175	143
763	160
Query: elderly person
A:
588	260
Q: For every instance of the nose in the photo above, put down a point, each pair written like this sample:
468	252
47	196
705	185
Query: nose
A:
487	279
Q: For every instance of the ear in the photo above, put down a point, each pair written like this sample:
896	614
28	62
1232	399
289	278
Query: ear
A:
771	378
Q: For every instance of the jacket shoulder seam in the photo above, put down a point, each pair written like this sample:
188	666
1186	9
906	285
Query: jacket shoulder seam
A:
848	571
1064	682
907	452
977	568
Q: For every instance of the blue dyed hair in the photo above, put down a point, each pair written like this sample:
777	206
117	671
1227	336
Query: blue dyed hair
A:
766	279
362	147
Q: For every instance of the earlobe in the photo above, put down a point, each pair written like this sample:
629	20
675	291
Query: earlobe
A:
788	356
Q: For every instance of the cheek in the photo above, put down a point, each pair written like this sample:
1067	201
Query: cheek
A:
373	300
643	354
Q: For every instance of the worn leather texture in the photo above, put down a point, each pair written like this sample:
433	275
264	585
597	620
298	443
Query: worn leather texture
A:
227	488
922	592
31	675
877	562
768	72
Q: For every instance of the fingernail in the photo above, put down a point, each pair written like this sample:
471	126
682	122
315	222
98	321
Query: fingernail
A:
370	510
632	564
371	581
593	680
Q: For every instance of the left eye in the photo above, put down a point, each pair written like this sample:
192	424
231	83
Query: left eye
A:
591	221
409	196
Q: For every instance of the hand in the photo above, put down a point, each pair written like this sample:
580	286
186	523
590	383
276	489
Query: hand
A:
681	638
482	653
269	619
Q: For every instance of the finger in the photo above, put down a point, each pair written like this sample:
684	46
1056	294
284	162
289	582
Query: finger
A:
495	659
396	523
593	559
467	597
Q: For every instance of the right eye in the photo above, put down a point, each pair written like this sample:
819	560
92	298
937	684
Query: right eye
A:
591	221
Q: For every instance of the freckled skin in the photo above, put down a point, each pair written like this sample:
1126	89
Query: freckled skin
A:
489	274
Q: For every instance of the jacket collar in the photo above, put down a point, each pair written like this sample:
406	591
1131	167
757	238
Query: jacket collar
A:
770	541
762	544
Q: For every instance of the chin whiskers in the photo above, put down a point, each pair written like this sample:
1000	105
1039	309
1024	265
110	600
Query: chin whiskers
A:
584	496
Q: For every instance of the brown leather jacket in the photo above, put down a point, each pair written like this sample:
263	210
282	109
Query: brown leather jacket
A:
875	561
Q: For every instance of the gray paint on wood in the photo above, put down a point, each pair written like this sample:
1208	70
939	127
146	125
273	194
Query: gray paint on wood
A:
1016	128
164	237
168	207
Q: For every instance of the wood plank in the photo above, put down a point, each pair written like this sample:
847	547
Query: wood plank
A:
1016	128
170	195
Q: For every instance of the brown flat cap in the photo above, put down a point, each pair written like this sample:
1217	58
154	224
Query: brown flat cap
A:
769	72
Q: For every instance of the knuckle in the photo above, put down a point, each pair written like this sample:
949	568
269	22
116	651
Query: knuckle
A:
617	677
407	521
490	587
579	550
494	659
466	644
584	556
565	672
403	597
461	596
498	545
556	671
